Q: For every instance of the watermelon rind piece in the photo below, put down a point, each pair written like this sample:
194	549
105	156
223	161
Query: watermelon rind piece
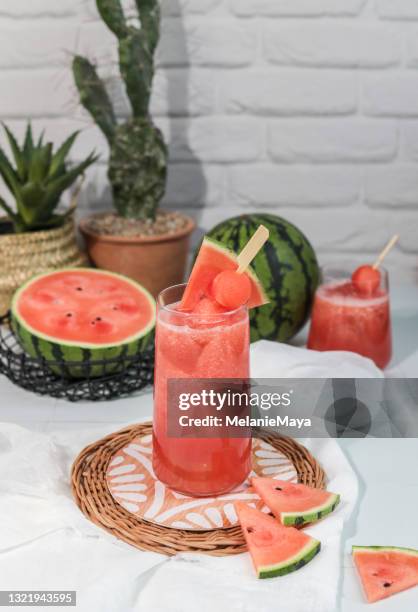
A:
294	517
258	296
313	515
293	563
76	356
383	579
372	549
275	550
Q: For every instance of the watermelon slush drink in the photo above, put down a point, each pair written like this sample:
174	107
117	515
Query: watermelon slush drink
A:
198	345
345	319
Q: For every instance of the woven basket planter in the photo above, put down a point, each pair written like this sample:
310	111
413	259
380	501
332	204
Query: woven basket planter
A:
24	255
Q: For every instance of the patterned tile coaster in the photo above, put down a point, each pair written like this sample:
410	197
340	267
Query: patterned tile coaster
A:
133	485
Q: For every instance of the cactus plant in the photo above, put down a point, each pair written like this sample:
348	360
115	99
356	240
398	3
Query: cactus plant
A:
138	153
38	180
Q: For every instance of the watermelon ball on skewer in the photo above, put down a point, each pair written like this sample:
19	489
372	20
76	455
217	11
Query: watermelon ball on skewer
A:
366	280
212	259
231	289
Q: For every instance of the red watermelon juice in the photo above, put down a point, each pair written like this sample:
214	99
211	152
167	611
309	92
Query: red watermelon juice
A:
206	343
345	319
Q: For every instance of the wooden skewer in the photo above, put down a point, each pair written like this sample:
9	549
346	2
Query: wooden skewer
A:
252	247
385	251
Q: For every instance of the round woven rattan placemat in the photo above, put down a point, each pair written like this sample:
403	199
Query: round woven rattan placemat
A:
95	501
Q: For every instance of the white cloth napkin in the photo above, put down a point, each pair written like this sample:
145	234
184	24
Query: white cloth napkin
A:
46	543
272	360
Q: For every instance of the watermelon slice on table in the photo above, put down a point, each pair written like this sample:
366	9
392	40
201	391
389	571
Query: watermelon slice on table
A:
212	259
77	315
385	570
275	550
295	504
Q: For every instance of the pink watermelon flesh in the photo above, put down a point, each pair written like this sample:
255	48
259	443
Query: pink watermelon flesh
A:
295	504
385	571
86	307
275	550
212	259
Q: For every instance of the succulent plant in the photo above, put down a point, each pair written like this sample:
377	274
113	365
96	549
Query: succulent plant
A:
37	180
138	153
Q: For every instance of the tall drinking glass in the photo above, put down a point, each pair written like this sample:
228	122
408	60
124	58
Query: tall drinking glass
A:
197	346
345	320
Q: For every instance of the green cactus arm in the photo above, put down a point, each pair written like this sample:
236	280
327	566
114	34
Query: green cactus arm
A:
136	66
58	160
150	16
93	95
17	153
111	12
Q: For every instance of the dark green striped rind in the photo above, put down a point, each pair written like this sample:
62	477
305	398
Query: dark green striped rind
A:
74	361
293	565
297	519
286	266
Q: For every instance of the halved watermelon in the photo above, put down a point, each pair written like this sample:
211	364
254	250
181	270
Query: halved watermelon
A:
77	315
385	570
295	504
212	259
275	550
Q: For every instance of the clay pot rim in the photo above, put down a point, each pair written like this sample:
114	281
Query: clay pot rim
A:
168	237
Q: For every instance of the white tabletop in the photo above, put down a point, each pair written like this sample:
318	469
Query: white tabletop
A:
386	513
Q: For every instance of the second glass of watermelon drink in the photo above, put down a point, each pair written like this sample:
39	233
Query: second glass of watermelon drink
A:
200	337
351	312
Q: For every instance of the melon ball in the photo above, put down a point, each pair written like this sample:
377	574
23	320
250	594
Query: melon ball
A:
366	280
231	289
206	306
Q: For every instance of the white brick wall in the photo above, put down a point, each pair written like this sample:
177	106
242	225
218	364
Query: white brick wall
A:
306	108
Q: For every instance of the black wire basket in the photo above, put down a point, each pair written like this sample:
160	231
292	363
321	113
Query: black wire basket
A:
121	377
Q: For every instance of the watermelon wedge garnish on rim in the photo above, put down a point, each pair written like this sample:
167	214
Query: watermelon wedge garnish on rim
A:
295	504
77	315
212	259
385	570
275	550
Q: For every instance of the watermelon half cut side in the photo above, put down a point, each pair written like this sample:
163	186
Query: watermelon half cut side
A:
295	504
385	570
212	259
75	315
275	550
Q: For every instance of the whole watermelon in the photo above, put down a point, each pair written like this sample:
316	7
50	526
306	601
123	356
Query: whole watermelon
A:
287	267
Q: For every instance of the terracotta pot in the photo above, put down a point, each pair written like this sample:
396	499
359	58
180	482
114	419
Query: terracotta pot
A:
156	262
